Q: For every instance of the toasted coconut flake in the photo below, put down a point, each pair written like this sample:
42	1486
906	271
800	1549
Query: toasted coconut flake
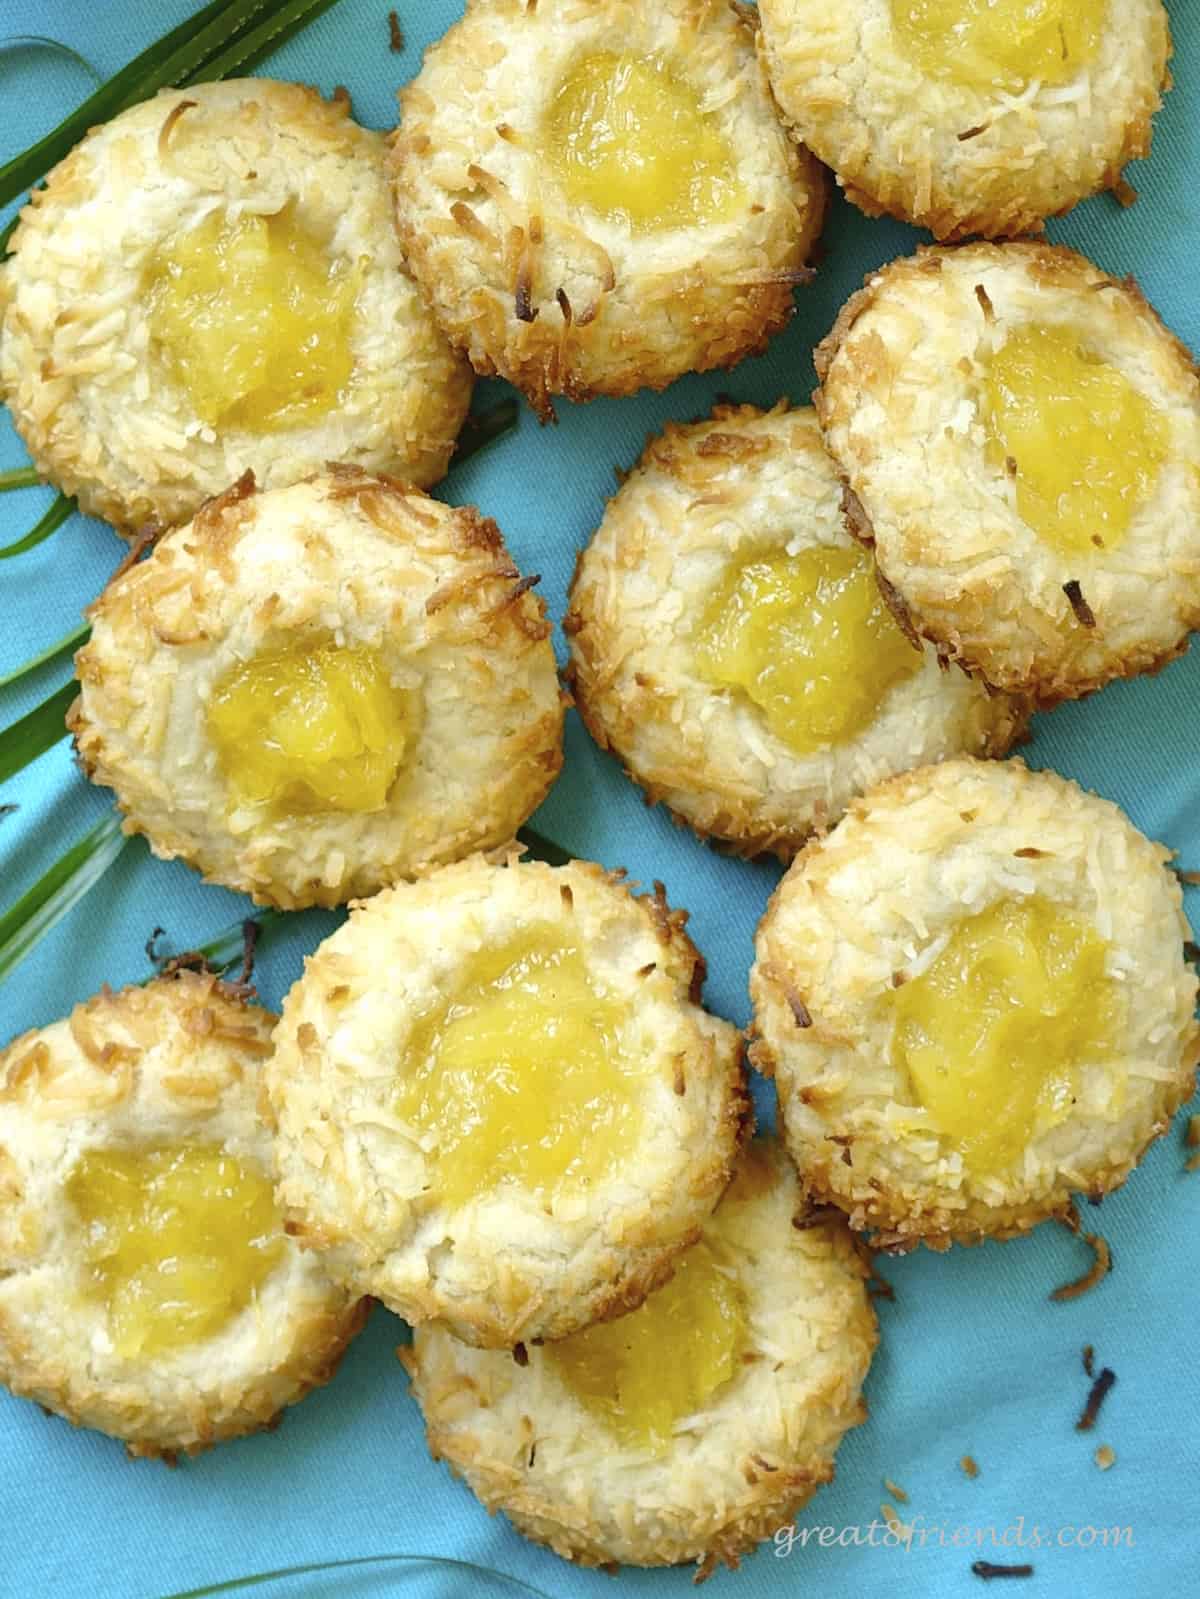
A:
969	1466
892	1516
1106	1456
1084	614
1098	1271
1193	1142
173	116
1096	1397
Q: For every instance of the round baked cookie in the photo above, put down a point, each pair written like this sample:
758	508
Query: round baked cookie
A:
1020	436
691	1429
311	692
973	996
147	1285
970	116
730	643
599	198
500	1105
212	283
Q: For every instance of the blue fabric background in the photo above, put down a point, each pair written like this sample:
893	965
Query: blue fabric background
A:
974	1359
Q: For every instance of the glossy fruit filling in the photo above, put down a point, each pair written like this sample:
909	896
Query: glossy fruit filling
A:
809	639
178	1239
1000	44
311	727
649	1370
629	139
519	1075
1084	446
994	1033
254	319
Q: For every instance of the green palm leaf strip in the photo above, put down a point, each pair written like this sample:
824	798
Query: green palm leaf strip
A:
20	477
35	733
543	849
238	1584
484	428
58	891
54	518
69	641
173	60
253	44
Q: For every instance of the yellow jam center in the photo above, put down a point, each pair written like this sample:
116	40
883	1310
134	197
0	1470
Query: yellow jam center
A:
629	139
254	319
1087	447
809	639
644	1372
993	1034
179	1239
520	1076
1001	43
311	727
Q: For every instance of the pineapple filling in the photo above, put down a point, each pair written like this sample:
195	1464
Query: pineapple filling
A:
178	1240
253	320
519	1074
646	1371
311	727
1000	43
629	139
1087	446
994	1033
810	640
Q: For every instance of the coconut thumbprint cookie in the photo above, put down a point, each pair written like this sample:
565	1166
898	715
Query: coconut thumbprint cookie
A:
500	1104
1020	436
597	198
970	116
974	997
212	283
730	643
690	1429
147	1285
314	691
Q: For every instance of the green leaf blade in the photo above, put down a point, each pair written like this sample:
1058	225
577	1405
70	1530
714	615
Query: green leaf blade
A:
58	891
255	44
544	849
240	1584
69	641
53	519
35	733
483	429
20	477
